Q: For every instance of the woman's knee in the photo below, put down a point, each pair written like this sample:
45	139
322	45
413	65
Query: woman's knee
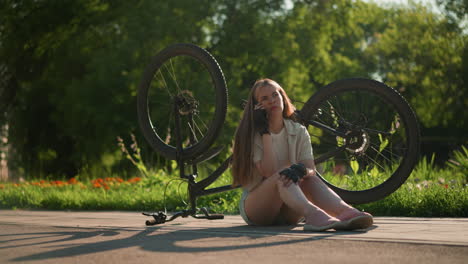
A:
312	179
279	183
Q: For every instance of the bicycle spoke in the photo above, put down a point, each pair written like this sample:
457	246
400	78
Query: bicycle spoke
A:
198	129
337	108
375	162
192	132
203	123
165	84
334	115
173	75
380	154
389	152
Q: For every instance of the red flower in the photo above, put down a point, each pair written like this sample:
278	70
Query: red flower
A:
134	180
72	181
99	180
59	183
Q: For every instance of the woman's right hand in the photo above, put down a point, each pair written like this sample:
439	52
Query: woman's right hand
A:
260	120
294	173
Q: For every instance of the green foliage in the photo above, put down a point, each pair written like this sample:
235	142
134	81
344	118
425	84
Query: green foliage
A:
78	72
74	66
459	162
427	67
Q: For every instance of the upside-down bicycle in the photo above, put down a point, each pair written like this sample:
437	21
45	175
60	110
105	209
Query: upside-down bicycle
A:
356	125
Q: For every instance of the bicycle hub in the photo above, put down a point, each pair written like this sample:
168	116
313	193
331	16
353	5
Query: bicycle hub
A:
357	141
186	103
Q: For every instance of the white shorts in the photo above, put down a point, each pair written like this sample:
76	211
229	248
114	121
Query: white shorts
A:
245	193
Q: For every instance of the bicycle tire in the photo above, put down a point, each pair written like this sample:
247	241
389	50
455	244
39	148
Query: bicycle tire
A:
385	97
217	88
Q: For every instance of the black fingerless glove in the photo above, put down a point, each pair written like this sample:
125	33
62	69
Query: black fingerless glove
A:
260	121
288	172
295	172
300	169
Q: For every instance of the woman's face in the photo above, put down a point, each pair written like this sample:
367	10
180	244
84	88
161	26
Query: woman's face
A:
270	99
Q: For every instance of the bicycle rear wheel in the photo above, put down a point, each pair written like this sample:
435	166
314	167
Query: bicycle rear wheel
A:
187	80
364	135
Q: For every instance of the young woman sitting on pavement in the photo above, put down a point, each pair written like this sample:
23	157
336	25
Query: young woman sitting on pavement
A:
273	162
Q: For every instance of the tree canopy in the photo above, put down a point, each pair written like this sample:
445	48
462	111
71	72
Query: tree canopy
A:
70	69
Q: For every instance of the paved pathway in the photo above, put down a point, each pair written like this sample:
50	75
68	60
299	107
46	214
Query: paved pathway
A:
103	237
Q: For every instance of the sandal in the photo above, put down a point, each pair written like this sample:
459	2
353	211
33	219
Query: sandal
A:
333	225
361	221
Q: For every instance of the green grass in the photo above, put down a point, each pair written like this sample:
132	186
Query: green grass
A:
150	193
429	192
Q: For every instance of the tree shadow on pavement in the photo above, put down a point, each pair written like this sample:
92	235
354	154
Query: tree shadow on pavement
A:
160	239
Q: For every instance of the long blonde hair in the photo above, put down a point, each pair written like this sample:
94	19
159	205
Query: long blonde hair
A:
242	159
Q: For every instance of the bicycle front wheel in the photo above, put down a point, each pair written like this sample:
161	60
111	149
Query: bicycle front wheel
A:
365	137
183	80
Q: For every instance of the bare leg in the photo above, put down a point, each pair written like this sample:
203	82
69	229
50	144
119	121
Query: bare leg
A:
289	215
265	203
322	196
298	202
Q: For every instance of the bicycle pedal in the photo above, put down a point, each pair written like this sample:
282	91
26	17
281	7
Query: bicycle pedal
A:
151	222
159	218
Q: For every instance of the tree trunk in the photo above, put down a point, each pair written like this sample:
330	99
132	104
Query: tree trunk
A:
4	175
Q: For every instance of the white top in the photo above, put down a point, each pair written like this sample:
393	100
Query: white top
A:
280	147
292	146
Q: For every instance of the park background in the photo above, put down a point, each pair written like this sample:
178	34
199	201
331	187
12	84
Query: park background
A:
70	70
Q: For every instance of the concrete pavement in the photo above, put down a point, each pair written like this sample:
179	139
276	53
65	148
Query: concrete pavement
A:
102	237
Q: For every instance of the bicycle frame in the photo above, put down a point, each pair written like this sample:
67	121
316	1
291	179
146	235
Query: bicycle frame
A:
198	189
